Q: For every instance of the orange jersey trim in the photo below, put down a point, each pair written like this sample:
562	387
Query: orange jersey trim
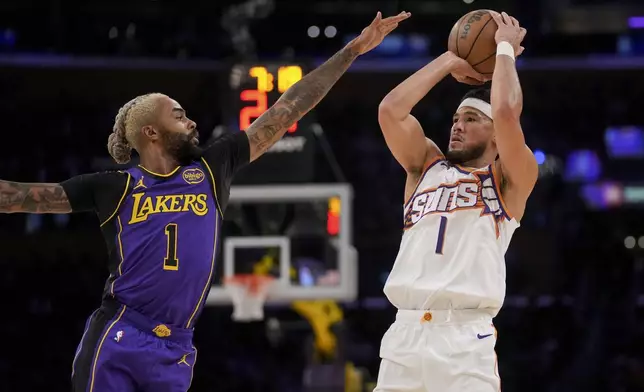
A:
497	185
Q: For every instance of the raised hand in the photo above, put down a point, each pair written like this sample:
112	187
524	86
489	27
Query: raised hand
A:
463	72
373	34
509	30
305	94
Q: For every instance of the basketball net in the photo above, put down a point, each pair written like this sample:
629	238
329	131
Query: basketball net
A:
248	293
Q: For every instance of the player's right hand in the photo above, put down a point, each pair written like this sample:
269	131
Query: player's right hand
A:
509	30
463	72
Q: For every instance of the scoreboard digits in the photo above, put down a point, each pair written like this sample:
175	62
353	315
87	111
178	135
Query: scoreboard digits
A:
255	101
254	88
288	76
246	113
264	79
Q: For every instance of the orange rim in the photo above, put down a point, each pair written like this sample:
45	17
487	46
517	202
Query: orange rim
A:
251	281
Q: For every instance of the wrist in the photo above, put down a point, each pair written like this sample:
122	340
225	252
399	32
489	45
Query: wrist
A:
449	61
353	48
504	48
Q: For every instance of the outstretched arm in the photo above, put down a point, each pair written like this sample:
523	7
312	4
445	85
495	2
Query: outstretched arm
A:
101	192
308	92
297	101
35	198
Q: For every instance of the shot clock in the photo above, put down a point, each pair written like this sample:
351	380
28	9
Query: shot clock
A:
255	88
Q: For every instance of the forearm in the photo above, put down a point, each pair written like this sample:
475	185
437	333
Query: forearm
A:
506	95
402	99
298	100
32	198
507	101
518	164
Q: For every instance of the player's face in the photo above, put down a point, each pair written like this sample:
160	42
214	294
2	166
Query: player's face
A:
178	133
472	132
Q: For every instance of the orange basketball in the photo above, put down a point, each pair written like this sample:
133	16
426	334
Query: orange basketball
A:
472	39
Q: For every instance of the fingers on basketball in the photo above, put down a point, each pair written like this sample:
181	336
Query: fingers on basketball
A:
475	81
469	80
480	77
507	19
497	18
471	73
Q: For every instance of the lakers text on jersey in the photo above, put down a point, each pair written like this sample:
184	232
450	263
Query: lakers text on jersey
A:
163	258
456	233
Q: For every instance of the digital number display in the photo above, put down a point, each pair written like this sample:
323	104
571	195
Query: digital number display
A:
255	101
254	88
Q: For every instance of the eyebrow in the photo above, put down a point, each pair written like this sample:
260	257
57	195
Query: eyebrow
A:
178	110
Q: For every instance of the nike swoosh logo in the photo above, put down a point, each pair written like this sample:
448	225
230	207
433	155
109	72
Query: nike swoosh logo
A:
483	336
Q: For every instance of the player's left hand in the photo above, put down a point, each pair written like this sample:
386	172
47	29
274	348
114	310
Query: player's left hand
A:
373	34
509	30
463	72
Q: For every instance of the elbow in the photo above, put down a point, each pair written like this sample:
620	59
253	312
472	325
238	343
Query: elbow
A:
391	102
389	109
386	105
385	110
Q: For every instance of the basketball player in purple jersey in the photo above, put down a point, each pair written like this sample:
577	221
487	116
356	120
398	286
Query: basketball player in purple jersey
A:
162	221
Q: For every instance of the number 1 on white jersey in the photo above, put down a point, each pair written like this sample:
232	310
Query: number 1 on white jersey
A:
441	235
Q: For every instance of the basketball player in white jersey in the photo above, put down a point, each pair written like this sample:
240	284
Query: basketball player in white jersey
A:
461	208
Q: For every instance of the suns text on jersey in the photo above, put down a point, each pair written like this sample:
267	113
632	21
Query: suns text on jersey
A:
466	194
144	205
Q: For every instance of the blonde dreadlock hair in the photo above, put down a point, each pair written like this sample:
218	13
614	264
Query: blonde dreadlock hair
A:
127	124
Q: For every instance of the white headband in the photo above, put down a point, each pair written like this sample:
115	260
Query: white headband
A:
477	104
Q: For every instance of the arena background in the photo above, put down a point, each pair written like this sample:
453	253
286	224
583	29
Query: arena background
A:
573	319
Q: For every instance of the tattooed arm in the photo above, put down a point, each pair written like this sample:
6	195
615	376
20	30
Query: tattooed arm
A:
297	101
308	92
33	198
100	192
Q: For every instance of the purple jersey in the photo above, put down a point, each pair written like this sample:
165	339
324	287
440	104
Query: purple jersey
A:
163	231
167	243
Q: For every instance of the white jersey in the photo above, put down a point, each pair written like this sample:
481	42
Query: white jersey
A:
457	231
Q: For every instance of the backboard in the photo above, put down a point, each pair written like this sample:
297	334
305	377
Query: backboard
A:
299	234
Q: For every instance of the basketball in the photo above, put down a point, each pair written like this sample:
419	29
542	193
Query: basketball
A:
472	39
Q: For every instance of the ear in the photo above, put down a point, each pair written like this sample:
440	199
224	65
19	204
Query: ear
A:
150	132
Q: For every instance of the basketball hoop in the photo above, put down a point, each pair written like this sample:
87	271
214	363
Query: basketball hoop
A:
248	293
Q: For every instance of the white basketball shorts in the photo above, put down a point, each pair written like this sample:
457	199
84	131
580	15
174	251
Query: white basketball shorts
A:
439	351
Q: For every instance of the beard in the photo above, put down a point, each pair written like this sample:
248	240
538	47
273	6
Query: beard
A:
181	147
458	157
